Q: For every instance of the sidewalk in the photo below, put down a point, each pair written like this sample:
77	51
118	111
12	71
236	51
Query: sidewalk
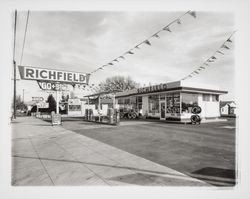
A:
51	155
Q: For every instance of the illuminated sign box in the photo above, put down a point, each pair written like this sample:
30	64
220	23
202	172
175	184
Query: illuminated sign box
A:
31	73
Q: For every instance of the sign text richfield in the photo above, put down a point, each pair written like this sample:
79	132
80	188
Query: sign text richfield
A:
31	73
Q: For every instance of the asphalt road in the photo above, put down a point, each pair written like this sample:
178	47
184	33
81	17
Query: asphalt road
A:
205	151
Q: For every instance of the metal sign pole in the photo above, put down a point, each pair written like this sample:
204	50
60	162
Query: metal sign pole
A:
99	107
57	102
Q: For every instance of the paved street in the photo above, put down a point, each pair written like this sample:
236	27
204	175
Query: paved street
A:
134	153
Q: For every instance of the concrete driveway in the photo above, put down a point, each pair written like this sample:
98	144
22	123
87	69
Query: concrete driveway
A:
206	151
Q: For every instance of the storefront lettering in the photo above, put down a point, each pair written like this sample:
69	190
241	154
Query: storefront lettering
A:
155	88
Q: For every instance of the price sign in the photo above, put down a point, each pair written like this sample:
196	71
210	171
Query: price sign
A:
56	119
52	86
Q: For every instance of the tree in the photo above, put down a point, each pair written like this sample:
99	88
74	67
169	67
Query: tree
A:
118	83
20	105
52	103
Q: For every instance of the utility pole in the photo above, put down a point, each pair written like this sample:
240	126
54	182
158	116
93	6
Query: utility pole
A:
14	65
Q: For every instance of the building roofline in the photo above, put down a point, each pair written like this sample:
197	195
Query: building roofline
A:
183	89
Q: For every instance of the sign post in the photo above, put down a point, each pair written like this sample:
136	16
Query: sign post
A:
57	102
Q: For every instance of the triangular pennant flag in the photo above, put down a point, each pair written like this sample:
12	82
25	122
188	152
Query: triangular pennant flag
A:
116	60
122	57
156	35
167	29
101	68
224	46
129	52
110	63
147	42
213	57
178	21
192	13
196	72
229	40
220	52
202	67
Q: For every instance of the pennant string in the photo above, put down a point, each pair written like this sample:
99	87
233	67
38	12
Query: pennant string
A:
155	35
212	58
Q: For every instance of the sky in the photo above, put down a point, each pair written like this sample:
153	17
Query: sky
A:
84	41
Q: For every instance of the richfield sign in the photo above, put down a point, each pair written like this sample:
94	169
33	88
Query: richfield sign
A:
31	73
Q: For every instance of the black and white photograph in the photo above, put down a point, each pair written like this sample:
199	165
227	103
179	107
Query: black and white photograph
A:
125	98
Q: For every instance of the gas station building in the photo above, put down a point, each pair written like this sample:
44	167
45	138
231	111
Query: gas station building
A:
172	101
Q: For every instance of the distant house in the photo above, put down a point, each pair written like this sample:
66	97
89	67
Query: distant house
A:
227	108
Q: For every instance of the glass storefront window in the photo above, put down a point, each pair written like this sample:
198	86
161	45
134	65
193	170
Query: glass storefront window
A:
189	100
120	101
139	103
139	99
162	97
206	97
173	103
74	107
215	98
127	101
133	103
153	103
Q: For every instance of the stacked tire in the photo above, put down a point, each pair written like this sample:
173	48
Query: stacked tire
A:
196	119
132	115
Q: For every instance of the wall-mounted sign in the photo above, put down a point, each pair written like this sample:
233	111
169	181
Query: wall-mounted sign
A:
37	99
52	86
31	73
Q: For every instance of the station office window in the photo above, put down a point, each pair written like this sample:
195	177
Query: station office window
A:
133	103
121	101
139	102
173	103
215	98
189	100
74	107
153	103
206	97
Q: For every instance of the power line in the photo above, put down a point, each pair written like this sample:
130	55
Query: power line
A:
14	47
14	65
24	38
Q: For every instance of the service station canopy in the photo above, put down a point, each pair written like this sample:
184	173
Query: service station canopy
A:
43	74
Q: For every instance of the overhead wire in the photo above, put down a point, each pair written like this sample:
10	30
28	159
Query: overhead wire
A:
24	38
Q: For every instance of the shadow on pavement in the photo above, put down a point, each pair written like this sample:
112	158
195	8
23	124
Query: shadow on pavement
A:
145	179
215	176
140	176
